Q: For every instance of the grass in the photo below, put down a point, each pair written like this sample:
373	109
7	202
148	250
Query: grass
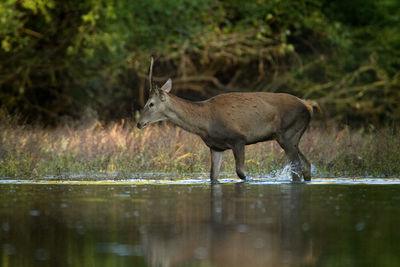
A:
119	150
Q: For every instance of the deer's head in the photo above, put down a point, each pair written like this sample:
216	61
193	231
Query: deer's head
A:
154	110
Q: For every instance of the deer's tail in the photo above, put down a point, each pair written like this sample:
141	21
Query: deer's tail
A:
312	106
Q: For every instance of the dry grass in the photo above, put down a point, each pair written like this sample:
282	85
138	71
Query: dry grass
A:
119	150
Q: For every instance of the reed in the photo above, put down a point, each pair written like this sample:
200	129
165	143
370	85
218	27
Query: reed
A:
119	150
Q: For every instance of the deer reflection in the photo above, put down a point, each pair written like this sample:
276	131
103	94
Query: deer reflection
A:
236	226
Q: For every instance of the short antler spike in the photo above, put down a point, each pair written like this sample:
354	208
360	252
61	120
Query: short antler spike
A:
151	73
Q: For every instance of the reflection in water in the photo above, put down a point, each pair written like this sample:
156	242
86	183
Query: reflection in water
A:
210	225
241	228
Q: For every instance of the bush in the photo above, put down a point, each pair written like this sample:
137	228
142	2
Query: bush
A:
62	60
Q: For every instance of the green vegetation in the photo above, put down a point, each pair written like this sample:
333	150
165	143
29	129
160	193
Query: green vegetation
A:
65	64
66	60
120	151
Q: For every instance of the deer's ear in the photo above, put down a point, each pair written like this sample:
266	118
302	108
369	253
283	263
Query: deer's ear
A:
167	86
161	94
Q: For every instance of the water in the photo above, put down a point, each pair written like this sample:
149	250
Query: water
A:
175	222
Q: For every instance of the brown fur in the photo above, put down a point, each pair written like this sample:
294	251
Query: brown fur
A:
233	120
311	106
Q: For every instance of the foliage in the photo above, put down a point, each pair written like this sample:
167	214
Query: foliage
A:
63	60
116	150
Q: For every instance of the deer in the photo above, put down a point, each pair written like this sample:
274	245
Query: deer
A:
230	121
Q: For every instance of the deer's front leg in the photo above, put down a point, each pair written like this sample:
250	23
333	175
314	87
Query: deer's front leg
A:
238	153
216	160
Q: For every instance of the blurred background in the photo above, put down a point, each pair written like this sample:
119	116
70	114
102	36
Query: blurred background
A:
66	61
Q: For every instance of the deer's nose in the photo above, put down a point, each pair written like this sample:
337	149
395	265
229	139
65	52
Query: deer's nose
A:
139	125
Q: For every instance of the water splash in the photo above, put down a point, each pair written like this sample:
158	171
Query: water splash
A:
284	174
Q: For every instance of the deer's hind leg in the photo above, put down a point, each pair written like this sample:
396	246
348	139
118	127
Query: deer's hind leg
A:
305	164
292	153
306	167
289	141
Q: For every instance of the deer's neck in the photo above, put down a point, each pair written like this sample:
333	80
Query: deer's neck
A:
191	116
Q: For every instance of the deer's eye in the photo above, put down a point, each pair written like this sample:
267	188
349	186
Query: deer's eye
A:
151	104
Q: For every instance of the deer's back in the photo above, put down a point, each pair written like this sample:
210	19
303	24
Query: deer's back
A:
253	116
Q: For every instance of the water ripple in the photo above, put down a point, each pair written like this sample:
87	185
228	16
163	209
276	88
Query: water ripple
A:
201	180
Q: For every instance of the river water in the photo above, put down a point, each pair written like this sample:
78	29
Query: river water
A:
175	222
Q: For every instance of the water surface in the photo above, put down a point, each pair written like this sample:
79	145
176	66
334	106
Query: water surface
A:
173	222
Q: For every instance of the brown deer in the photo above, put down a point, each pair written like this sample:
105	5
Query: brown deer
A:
234	120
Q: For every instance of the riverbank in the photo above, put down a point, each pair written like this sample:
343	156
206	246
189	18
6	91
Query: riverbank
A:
119	150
